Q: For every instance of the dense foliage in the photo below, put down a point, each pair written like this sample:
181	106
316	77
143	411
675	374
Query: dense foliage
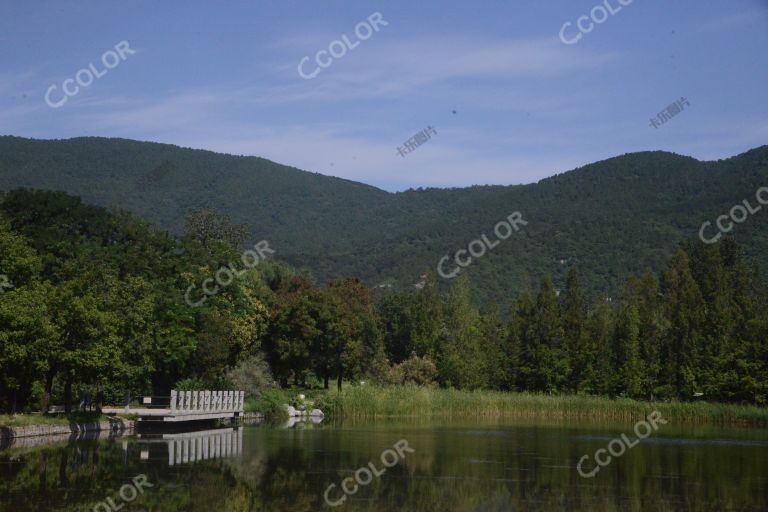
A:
98	305
611	219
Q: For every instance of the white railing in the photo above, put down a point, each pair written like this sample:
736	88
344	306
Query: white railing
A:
202	402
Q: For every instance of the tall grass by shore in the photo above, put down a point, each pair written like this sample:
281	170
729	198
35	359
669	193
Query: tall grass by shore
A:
369	402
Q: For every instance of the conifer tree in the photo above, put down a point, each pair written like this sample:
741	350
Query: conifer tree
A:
577	343
600	329
627	352
550	359
685	310
651	333
461	360
521	342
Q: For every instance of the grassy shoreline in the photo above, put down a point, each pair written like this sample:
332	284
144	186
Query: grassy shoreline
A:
37	419
377	402
371	402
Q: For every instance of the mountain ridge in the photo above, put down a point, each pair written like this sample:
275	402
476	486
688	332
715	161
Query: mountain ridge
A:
617	216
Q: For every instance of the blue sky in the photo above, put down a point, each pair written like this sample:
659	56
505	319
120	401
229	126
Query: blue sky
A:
223	76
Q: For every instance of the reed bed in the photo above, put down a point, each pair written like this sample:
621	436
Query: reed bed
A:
369	402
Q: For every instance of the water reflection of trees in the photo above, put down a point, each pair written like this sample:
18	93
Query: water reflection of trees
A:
74	477
532	469
472	470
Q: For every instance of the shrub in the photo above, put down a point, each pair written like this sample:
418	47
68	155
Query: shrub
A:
270	402
252	375
420	371
190	384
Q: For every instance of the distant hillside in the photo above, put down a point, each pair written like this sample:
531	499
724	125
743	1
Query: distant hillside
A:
611	218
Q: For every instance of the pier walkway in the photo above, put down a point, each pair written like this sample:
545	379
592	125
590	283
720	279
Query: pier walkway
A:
188	406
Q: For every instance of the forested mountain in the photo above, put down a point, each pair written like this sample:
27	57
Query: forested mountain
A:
612	218
99	302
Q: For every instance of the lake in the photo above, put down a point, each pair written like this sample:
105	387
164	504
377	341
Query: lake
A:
480	465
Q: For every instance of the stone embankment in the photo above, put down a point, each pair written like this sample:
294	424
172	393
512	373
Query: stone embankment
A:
112	426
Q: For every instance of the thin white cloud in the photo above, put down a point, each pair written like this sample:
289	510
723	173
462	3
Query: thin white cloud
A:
368	71
288	119
330	150
736	19
18	83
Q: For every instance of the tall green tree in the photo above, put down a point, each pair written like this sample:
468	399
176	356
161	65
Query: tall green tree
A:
685	312
90	344
628	365
461	360
600	329
652	332
296	325
550	361
493	339
27	337
576	339
394	314
521	342
360	346
426	318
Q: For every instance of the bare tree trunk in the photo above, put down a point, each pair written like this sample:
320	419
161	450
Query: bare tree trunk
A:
47	395
68	395
338	382
99	400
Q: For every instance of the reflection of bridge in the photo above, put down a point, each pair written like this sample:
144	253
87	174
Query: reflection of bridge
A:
189	406
195	446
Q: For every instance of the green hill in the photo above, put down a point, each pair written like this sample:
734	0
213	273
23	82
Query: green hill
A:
611	218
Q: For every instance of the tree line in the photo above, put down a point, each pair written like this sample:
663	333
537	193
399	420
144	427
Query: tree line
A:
97	305
696	330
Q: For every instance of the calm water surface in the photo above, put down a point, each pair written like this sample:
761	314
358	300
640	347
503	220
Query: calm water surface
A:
499	465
